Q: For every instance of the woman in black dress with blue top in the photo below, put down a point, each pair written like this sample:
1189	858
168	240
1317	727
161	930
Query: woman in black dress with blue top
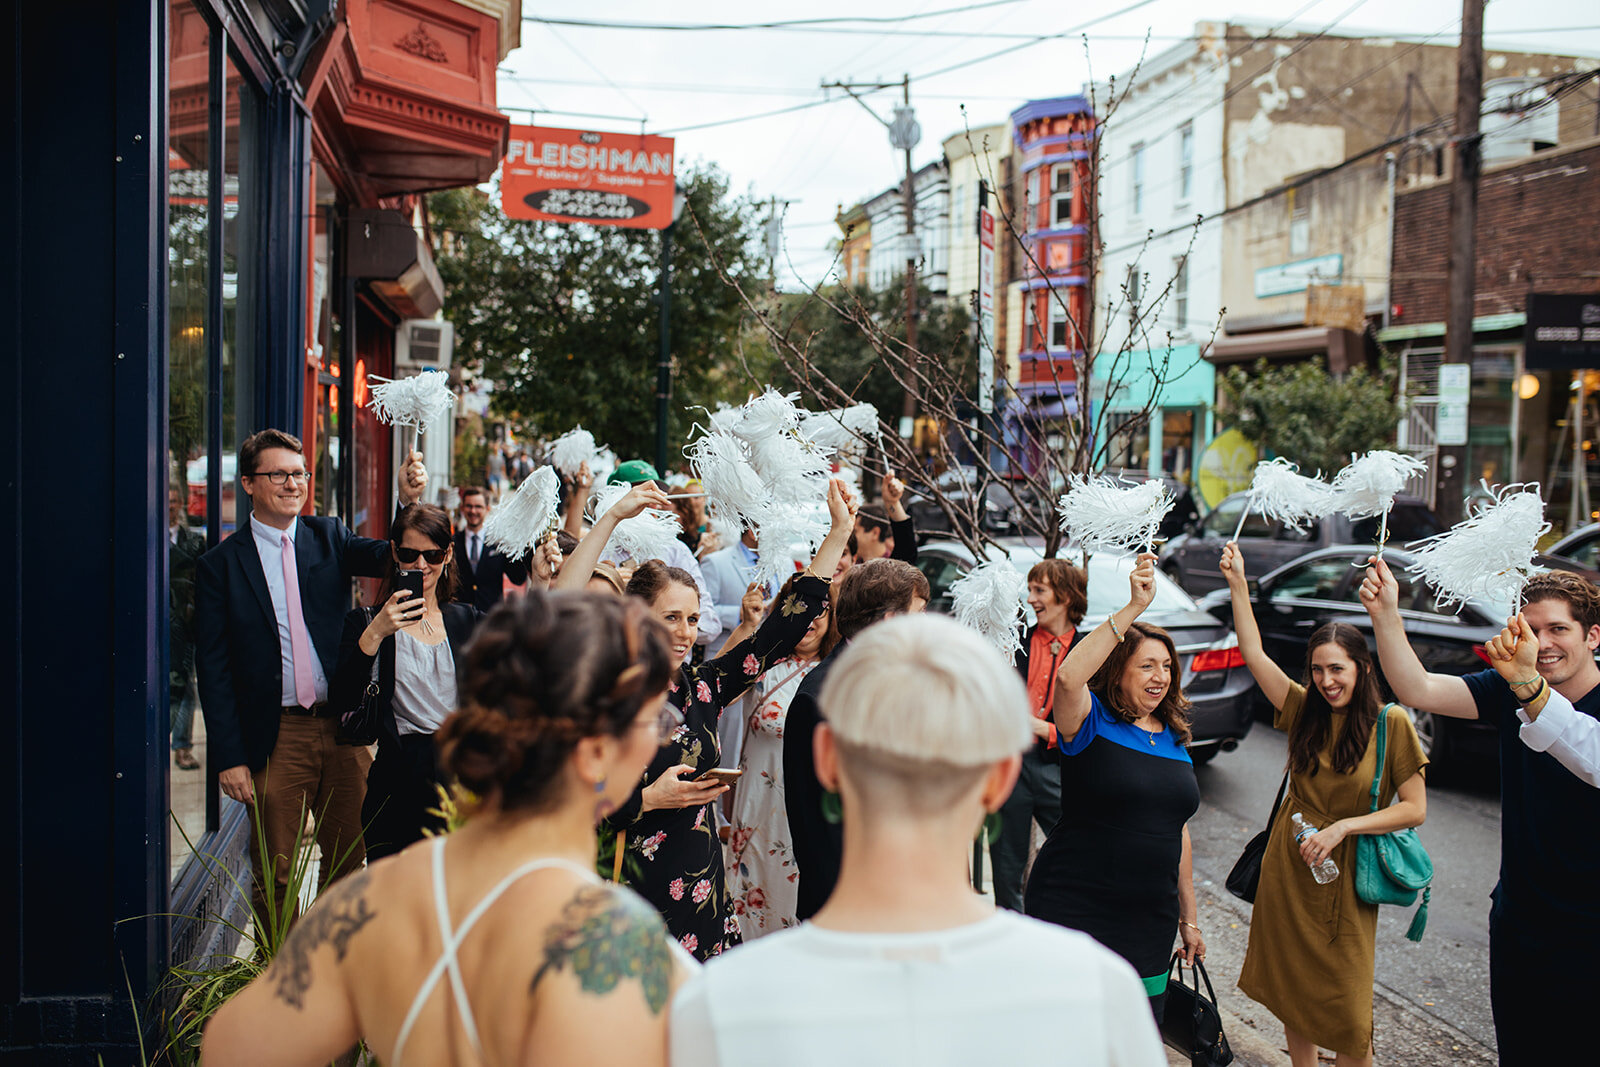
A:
1118	864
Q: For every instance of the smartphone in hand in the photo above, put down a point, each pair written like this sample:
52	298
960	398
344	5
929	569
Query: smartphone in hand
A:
725	775
410	581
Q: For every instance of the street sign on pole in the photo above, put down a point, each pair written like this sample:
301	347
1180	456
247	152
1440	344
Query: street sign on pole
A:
606	179
986	339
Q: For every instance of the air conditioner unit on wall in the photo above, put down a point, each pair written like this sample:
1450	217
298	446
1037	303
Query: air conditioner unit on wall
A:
424	344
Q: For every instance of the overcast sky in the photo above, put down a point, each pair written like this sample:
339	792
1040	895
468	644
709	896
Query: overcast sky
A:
828	154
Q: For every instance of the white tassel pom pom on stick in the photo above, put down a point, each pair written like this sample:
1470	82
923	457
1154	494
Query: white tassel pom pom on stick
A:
730	483
572	450
527	517
779	528
991	598
1103	514
1278	492
1368	486
841	428
644	537
417	401
1488	555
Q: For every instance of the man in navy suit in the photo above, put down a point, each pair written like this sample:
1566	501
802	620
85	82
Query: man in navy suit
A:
482	569
270	603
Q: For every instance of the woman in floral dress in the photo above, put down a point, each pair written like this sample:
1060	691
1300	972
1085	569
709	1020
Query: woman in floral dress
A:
662	842
763	873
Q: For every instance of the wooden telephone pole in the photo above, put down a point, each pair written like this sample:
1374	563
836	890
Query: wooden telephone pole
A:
1454	477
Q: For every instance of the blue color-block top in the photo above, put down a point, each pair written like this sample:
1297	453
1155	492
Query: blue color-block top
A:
1104	724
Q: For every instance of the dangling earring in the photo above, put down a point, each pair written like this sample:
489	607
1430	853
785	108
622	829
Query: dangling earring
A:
600	786
991	827
832	808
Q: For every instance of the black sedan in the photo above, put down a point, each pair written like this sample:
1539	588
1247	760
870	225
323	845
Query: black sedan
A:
1324	586
1214	675
1582	546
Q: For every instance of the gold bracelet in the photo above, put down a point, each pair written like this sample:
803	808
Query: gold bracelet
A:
1537	693
1112	619
1190	925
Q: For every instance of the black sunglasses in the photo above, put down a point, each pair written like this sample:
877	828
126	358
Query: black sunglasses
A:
434	556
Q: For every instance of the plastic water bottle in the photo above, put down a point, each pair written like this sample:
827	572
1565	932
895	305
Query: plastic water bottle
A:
1323	872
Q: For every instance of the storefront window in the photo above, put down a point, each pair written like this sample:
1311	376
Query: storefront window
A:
212	259
1129	441
188	270
1177	442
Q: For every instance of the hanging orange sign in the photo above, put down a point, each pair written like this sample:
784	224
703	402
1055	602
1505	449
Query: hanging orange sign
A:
609	179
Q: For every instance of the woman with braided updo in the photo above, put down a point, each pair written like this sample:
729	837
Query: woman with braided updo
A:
496	943
663	840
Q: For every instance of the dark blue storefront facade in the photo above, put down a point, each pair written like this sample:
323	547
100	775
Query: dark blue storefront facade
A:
174	197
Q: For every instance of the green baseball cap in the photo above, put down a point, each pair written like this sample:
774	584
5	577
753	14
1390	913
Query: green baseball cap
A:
632	473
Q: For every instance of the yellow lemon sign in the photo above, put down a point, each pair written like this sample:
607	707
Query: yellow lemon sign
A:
1226	467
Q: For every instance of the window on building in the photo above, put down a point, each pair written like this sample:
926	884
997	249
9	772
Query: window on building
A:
1061	331
1137	193
1299	225
213	217
1185	162
1180	293
1061	194
1131	288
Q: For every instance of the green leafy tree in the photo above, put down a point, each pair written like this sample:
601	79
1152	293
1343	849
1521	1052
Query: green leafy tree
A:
563	318
1301	412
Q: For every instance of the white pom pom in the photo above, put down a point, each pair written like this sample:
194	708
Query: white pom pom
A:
415	401
779	527
526	517
723	419
644	537
790	470
991	599
1489	555
1279	493
766	415
841	428
1105	514
731	485
572	450
1368	486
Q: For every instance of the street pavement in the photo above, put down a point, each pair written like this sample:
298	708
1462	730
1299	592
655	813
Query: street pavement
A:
1431	1001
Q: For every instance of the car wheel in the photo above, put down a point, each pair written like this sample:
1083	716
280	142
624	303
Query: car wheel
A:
1431	733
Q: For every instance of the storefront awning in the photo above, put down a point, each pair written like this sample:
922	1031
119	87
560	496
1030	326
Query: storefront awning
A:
1342	347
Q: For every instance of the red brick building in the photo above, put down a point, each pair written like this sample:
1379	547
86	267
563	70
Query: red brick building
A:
1535	234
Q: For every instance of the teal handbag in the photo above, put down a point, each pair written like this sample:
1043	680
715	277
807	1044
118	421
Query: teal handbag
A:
1393	868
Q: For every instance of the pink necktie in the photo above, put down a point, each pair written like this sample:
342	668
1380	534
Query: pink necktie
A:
305	686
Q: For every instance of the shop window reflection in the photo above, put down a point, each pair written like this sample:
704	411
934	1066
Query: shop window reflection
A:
188	426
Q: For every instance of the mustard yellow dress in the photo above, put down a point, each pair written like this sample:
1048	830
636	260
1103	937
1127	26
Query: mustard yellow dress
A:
1310	959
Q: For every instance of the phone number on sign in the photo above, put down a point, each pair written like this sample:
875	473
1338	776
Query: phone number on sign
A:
586	204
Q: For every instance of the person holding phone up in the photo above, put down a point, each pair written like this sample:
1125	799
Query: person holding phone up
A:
417	635
662	842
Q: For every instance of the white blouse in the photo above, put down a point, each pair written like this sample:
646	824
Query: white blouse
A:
424	684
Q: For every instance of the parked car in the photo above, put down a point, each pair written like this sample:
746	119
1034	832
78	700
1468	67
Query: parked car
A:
1193	558
1213	671
1003	502
195	475
1582	546
1324	586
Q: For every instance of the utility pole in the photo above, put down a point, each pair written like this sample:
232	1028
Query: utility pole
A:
1453	473
904	133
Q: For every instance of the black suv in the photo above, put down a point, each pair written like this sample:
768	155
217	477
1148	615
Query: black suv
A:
1192	558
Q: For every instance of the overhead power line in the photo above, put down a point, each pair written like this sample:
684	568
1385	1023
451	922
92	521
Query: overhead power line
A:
778	24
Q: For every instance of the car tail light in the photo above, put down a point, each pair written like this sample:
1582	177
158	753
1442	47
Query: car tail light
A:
1483	654
1217	659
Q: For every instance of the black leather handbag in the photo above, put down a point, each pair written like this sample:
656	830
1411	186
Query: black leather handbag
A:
1246	874
1191	1022
359	725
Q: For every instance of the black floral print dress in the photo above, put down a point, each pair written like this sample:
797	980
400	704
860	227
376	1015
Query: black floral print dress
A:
672	856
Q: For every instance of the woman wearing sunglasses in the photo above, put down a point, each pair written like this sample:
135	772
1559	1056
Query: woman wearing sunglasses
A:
418	643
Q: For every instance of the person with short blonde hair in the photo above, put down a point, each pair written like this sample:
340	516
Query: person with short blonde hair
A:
925	724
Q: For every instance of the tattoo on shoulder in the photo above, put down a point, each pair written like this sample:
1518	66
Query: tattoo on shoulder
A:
604	937
337	917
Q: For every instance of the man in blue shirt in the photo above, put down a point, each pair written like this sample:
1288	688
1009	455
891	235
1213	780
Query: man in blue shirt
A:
1544	918
729	572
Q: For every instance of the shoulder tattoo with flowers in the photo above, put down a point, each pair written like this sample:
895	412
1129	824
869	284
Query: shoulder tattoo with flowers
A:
604	937
338	916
